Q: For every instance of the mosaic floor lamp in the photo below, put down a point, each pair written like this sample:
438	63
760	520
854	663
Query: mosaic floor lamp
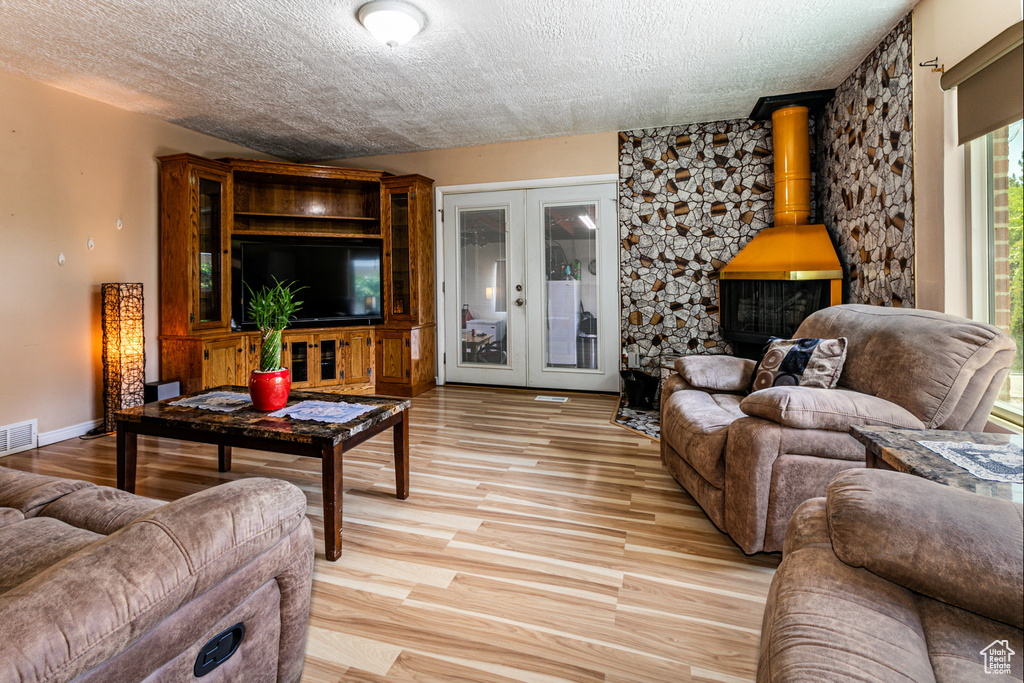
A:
124	349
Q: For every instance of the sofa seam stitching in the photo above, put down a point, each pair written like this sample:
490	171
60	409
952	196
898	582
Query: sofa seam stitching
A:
177	543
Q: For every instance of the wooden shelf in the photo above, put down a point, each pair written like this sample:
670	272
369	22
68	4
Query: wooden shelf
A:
285	225
265	214
308	233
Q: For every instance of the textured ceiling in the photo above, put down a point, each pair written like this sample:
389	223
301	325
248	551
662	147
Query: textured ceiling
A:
303	80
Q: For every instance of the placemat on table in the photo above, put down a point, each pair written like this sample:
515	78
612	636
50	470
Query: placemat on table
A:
1003	462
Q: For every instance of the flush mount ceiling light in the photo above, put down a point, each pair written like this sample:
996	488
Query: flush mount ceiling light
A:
391	22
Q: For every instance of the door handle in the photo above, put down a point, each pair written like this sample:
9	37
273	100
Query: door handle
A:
519	302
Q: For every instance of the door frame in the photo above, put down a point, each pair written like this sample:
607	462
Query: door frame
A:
441	190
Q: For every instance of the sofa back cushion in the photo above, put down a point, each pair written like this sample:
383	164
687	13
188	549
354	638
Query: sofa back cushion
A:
939	367
29	492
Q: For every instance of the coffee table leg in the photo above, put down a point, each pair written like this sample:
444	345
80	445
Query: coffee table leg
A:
401	430
224	458
332	478
127	452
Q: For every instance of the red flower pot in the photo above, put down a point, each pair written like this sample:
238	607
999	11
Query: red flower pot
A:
269	390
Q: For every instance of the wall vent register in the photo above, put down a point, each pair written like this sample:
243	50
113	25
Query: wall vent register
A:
17	437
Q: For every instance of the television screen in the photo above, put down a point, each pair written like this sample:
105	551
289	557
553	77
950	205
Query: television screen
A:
342	280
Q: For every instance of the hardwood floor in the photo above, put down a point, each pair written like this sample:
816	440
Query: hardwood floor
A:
539	543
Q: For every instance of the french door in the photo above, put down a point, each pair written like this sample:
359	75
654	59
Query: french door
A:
531	288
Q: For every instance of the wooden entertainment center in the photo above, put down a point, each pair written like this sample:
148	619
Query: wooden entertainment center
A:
205	202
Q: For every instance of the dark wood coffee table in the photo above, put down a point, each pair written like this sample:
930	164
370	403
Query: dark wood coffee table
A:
248	428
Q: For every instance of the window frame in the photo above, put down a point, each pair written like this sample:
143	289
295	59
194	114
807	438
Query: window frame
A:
980	247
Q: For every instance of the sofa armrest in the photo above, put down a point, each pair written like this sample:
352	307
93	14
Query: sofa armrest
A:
96	602
955	546
716	373
834	410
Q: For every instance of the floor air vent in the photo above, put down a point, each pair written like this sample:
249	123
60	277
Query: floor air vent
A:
17	437
553	399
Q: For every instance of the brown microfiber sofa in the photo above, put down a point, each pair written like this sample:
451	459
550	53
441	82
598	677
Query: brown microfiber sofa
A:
749	461
98	585
895	578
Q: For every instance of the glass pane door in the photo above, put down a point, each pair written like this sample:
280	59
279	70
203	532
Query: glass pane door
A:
209	224
486	294
531	282
570	269
483	286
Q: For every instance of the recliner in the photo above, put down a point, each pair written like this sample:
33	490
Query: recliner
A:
750	460
102	585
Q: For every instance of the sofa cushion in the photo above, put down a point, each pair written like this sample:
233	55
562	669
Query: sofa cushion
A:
937	366
827	621
952	545
33	545
696	423
835	410
100	509
800	362
29	492
716	372
957	637
10	516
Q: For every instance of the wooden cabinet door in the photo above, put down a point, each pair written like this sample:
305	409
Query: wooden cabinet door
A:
301	358
394	365
423	239
359	357
223	361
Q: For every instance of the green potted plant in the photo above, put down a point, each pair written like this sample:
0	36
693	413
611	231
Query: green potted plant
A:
271	308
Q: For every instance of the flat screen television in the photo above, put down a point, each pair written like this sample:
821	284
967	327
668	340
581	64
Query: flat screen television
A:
342	279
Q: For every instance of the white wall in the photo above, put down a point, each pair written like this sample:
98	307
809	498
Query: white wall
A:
69	168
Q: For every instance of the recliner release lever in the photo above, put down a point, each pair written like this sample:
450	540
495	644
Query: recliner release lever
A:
218	650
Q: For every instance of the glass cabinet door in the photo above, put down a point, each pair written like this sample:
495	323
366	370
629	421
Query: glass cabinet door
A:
401	280
329	369
210	228
298	352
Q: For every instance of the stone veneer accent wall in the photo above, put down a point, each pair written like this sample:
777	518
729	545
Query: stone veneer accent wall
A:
865	163
692	196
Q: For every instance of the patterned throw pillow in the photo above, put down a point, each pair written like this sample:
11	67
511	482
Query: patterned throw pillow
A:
800	362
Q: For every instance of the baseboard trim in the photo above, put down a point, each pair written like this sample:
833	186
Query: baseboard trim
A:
65	433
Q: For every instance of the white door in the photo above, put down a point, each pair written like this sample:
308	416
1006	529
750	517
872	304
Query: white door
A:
531	288
573	276
483	281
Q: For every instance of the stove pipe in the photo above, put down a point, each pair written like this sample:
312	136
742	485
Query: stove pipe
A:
790	141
